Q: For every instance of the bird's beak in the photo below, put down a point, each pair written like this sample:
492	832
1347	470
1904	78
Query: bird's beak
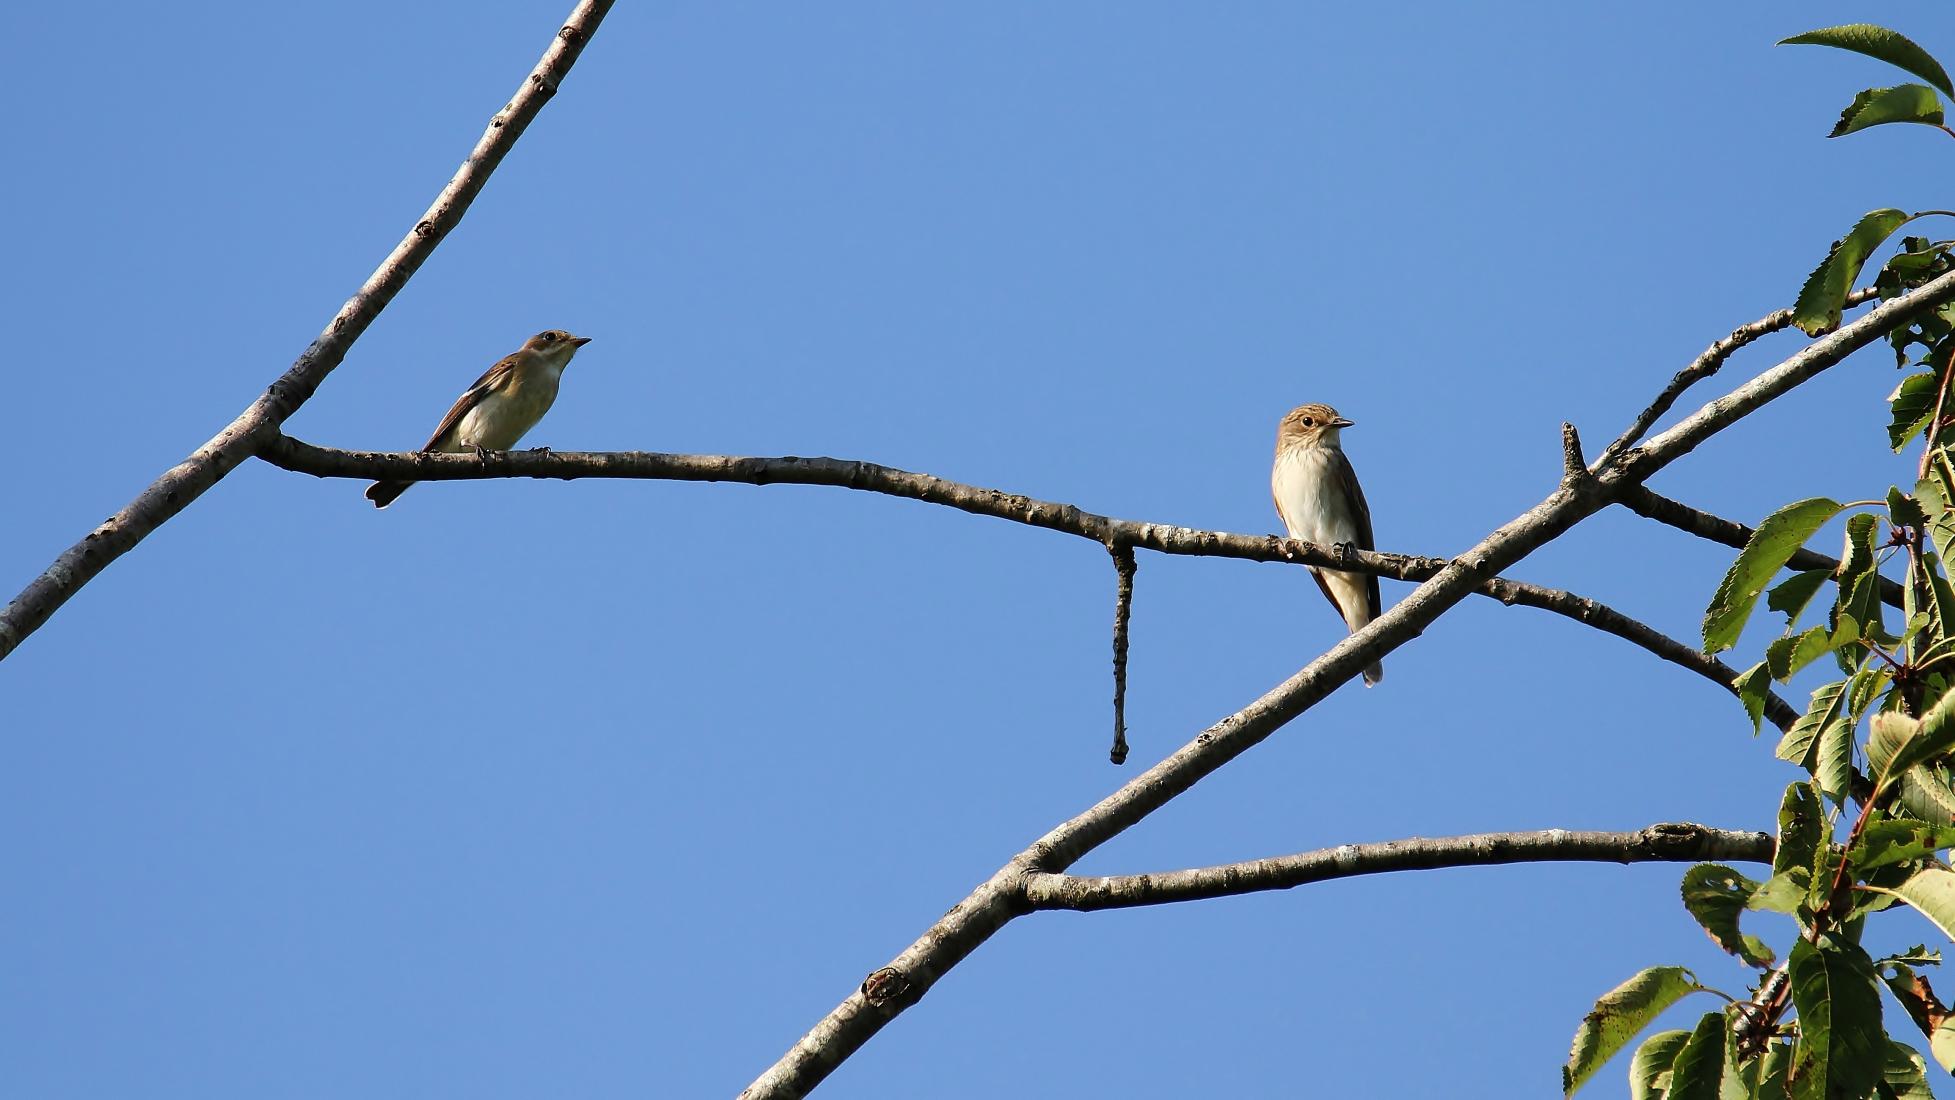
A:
579	341
1340	422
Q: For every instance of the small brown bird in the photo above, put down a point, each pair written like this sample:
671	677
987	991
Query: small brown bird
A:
501	406
1317	495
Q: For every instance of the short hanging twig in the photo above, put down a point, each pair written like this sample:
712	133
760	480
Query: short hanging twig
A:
1124	564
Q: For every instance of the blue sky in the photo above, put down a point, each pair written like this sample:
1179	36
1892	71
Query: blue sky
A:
612	789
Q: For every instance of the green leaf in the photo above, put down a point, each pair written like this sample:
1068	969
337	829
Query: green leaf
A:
1899	840
1879	106
1888	734
1772	1071
1715	895
1935	496
1754	686
1857	555
1653	1057
1901	983
1802	825
1932	892
1941	1044
1795	592
1797	744
1833	763
1784	892
1905	1073
1618	1015
1865	685
1941	598
1823	297
1913	402
1903	510
1842	1046
1881	43
1899	742
1699	1071
1782	532
1927	795
1789	654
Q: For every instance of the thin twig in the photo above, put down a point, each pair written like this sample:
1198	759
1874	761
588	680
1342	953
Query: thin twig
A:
1662	509
1667	843
185	482
1124	565
1704	366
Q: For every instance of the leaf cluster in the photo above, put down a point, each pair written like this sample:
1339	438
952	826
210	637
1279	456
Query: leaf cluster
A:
1879	735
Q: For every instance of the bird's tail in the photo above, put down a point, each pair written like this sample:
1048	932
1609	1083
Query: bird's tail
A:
383	493
1351	594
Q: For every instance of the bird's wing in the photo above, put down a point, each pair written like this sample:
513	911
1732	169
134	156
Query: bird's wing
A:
1360	517
491	379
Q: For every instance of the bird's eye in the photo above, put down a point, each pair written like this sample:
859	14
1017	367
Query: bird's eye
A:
549	337
1309	423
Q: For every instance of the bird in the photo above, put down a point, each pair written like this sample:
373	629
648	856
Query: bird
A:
500	407
1318	498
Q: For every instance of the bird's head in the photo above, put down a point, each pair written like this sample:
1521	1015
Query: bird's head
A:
1310	426
556	345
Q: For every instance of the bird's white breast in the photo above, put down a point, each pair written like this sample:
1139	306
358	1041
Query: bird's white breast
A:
1305	484
499	421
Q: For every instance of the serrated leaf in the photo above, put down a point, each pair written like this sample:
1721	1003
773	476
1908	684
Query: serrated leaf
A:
1618	1015
1754	686
1881	43
1932	892
1941	598
1765	553
1652	1058
1842	1046
1899	743
1857	550
1879	106
1785	892
1899	840
1833	761
1798	743
1911	403
1715	895
1802	824
1823	296
1927	796
1905	1073
1699	1071
1865	685
1788	655
1903	510
1887	734
1795	592
1935	496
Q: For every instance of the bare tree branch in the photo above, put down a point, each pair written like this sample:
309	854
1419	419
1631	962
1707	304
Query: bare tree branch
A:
1123	608
1664	843
292	454
185	482
1703	367
1683	517
904	981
